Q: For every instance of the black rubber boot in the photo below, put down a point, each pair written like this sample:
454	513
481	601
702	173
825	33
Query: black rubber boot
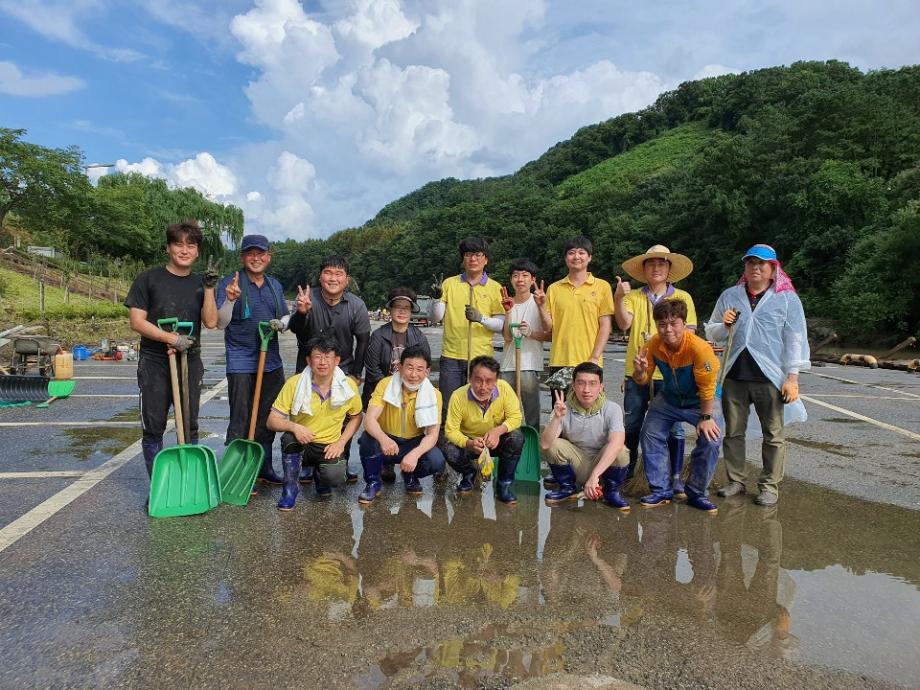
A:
150	450
613	478
565	478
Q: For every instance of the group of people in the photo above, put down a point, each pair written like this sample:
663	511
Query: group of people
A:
477	410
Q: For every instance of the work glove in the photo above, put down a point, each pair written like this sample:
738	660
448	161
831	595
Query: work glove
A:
183	342
790	391
211	274
277	325
473	314
729	316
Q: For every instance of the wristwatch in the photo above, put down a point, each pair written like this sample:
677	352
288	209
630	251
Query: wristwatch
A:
705	417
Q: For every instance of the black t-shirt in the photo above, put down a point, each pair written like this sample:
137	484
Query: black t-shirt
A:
745	367
164	295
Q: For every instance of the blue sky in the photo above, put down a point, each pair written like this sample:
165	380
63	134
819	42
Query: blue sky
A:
313	115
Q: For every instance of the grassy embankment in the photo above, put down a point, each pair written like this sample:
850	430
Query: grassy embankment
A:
83	320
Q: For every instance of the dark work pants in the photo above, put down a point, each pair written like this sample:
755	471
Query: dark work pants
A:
241	388
155	386
463	461
452	376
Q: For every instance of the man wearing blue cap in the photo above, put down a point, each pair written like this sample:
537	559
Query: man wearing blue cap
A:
243	300
769	347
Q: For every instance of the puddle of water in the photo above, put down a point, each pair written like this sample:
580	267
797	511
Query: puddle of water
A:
780	582
843	420
466	662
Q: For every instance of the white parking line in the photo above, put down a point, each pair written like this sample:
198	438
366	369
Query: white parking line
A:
864	397
20	527
40	475
860	383
87	423
863	418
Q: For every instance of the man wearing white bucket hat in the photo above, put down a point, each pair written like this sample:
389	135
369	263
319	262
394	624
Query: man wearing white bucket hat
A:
659	268
768	349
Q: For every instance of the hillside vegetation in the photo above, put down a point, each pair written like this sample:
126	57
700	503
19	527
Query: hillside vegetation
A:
818	159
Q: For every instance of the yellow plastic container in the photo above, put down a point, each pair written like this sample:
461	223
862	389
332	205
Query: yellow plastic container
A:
63	366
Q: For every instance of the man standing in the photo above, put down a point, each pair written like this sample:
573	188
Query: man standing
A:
579	311
584	441
687	394
319	410
484	414
471	307
769	348
331	308
170	291
659	269
243	300
524	310
402	425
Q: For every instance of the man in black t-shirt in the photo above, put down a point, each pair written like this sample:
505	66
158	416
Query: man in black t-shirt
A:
170	291
331	308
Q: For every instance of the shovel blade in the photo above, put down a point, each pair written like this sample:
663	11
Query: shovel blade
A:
238	470
183	482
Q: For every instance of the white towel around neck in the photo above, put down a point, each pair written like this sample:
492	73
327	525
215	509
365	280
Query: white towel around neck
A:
303	394
426	401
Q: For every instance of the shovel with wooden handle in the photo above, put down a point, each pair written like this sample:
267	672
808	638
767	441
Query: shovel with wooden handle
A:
469	339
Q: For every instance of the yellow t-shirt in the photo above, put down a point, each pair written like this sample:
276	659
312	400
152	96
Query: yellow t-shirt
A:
575	312
466	419
325	421
487	298
643	328
399	421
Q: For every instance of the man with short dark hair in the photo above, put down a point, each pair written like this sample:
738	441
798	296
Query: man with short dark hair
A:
244	299
331	308
768	350
170	291
319	410
688	393
579	311
583	442
402	425
485	414
470	305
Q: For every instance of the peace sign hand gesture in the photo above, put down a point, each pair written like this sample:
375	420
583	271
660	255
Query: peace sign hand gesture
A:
233	288
304	301
559	407
507	301
539	295
211	274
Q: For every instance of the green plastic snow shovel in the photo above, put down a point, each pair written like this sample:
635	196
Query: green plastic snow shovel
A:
184	478
243	458
528	468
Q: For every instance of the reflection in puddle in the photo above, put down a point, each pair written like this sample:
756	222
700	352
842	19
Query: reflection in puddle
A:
466	662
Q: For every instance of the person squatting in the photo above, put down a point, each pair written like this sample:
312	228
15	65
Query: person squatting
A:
479	405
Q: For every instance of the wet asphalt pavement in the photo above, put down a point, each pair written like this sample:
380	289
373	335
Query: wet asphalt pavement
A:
821	591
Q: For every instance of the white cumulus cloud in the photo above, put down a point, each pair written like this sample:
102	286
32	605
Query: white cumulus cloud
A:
203	172
14	83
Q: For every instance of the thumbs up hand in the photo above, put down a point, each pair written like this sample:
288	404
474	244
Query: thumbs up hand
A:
623	288
233	288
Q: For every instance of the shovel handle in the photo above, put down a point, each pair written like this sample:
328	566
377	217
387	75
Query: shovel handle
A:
171	322
187	326
177	401
725	353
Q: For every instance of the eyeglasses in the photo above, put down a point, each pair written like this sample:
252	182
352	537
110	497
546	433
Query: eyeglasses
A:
474	255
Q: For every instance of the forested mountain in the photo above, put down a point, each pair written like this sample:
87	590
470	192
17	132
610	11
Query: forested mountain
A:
818	159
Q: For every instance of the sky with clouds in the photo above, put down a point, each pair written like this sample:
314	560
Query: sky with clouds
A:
311	115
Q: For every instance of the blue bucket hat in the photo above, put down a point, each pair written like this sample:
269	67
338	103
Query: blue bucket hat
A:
764	252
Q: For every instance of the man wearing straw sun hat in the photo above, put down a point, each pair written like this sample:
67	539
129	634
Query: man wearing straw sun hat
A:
659	268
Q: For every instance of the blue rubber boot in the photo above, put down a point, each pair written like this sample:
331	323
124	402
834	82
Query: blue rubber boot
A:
413	485
703	504
466	483
290	462
372	485
565	477
676	454
613	478
656	499
150	450
506	468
